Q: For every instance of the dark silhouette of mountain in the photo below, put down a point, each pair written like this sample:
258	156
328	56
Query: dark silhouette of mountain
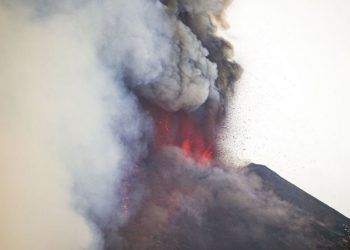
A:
327	225
288	192
248	209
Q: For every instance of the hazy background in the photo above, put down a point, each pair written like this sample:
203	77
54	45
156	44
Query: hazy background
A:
290	111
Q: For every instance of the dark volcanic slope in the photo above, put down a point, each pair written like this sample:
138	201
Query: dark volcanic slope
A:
194	208
288	192
327	223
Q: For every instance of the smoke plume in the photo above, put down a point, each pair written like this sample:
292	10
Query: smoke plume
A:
69	128
110	110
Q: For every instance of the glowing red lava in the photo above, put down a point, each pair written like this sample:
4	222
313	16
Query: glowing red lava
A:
180	129
184	130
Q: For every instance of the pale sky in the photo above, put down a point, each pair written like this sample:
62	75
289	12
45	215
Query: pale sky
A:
291	108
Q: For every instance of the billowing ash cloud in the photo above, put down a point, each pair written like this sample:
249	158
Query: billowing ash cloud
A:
72	130
180	76
69	128
162	51
169	53
108	119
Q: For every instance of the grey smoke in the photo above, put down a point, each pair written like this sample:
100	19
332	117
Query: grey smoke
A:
161	58
71	128
186	76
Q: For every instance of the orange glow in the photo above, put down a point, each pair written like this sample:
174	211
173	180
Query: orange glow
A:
183	130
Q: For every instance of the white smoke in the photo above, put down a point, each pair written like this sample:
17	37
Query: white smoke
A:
65	121
70	129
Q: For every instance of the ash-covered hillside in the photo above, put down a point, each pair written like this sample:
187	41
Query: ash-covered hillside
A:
227	209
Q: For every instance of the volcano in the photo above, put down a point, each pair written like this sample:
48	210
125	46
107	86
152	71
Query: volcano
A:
180	195
112	111
187	199
263	212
